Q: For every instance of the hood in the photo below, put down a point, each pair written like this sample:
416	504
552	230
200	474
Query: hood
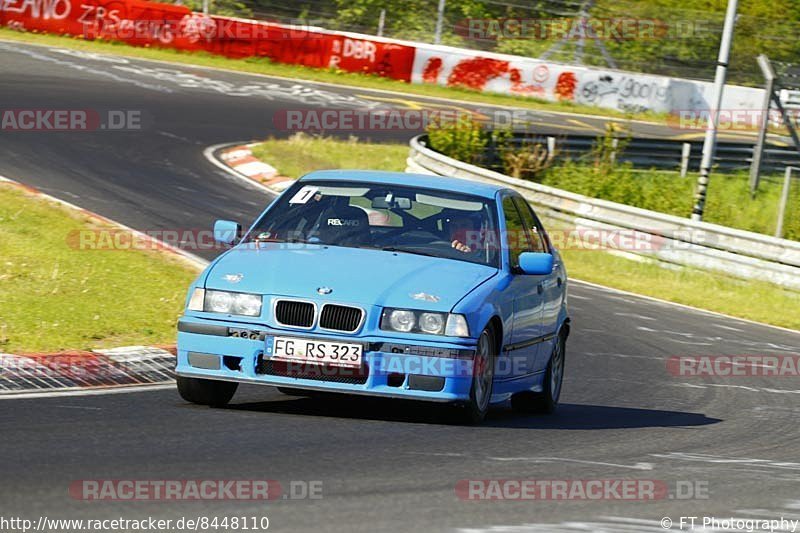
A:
355	275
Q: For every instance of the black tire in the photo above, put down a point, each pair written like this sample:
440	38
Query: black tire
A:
546	401
206	391
480	394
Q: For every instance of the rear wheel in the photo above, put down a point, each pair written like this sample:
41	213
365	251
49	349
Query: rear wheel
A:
206	391
547	400
482	380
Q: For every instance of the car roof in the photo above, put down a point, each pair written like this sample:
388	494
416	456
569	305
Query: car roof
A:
441	183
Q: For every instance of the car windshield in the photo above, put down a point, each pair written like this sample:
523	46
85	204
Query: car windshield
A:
395	218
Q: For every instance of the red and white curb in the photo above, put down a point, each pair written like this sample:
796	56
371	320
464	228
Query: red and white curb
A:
90	372
45	374
131	368
241	160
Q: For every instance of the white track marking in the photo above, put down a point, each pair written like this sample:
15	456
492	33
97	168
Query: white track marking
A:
635	315
737	387
82	68
637	466
399	94
118	389
719	459
729	328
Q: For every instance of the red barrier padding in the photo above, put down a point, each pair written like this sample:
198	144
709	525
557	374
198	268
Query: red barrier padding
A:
143	23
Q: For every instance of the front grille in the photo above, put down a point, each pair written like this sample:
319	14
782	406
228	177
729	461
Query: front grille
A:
352	376
340	318
293	313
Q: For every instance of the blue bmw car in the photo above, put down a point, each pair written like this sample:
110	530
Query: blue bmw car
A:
384	284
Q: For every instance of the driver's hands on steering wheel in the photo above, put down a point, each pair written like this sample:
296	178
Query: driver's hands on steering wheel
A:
460	246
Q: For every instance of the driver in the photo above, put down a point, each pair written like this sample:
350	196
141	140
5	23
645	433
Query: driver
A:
462	231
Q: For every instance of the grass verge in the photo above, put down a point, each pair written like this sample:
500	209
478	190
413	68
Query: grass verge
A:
262	65
302	153
762	302
54	296
728	200
759	301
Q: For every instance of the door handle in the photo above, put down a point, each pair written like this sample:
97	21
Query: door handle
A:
540	288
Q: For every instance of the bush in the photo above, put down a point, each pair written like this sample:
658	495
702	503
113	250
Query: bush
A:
464	139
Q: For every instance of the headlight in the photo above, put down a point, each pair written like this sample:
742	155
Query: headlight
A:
247	304
232	303
400	320
428	322
219	302
431	322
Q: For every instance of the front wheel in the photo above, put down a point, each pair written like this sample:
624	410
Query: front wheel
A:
547	400
206	391
482	379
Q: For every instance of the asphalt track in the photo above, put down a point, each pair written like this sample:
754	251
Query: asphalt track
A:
384	466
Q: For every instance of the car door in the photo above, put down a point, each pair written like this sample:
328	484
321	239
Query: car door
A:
552	284
526	331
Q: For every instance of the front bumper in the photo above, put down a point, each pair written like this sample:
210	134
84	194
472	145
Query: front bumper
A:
392	366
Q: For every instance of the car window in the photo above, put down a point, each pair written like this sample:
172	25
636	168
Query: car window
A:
402	218
535	231
516	238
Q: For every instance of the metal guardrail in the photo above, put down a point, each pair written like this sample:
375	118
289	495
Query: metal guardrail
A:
666	154
676	240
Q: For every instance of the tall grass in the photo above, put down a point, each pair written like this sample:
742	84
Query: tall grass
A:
599	174
728	201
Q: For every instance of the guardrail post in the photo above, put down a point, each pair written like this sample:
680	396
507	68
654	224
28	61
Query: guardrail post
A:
787	183
437	37
686	151
758	149
710	143
551	148
614	145
381	22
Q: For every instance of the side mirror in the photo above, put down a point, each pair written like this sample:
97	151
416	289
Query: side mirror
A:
227	231
535	263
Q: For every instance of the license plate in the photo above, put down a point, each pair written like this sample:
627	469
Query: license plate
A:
314	351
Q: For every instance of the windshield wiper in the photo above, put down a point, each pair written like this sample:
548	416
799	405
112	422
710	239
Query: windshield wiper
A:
407	251
291	240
